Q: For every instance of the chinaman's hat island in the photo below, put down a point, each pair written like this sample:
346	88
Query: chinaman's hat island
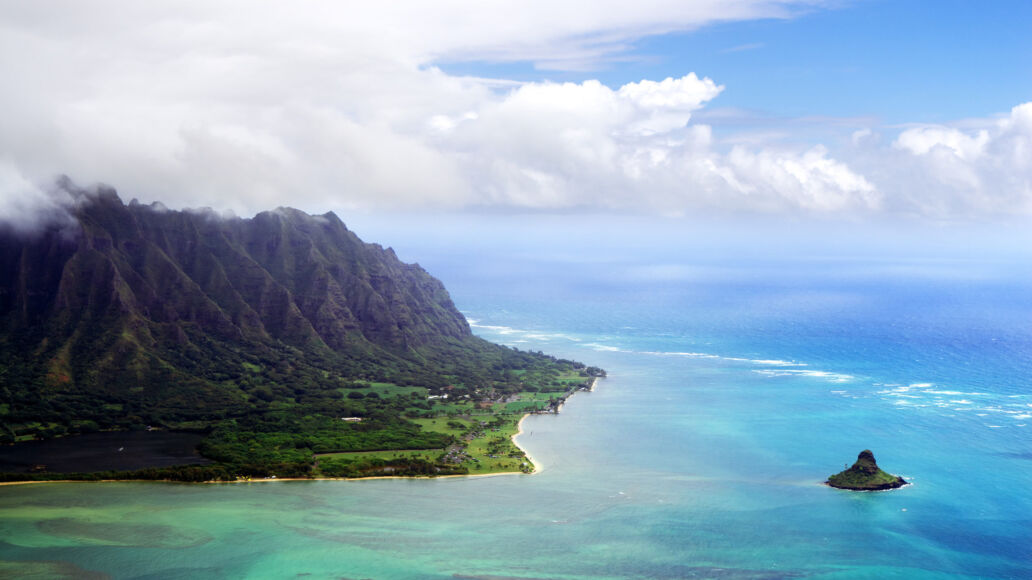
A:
865	475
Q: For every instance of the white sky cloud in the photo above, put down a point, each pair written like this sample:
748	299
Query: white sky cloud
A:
322	105
953	170
921	141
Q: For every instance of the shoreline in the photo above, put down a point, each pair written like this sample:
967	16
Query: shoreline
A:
519	431
590	389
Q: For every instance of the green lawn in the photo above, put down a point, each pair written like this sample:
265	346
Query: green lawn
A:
484	433
489	450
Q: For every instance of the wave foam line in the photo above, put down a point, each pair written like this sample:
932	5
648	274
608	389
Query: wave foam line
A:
603	347
684	354
833	377
778	363
529	334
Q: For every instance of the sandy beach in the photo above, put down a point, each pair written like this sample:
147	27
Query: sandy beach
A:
519	431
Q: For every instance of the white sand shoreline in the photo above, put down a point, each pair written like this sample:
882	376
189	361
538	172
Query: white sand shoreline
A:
534	468
519	429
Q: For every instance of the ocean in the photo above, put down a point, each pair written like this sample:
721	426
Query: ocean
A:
738	381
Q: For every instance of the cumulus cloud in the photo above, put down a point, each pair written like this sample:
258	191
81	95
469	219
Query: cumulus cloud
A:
986	170
811	180
668	104
245	105
585	145
921	141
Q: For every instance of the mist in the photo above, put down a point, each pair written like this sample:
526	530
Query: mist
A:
656	249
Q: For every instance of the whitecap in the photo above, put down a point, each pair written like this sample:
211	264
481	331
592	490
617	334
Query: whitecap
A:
783	372
907	388
499	329
603	347
777	363
903	403
684	354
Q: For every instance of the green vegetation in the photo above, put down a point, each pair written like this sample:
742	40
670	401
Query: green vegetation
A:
406	434
865	475
184	473
280	337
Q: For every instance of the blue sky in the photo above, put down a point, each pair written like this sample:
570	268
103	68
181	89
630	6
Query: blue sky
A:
903	61
801	109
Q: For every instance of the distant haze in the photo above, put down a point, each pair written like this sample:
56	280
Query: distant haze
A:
592	248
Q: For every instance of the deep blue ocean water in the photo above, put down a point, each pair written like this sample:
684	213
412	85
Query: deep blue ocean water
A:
736	386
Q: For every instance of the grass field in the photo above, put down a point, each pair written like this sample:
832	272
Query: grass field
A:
482	432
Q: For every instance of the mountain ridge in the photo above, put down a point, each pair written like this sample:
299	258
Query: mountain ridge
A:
135	315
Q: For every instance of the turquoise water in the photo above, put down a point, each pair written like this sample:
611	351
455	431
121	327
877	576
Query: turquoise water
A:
731	397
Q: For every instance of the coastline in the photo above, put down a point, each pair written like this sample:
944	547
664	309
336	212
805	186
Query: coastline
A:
590	389
519	431
263	480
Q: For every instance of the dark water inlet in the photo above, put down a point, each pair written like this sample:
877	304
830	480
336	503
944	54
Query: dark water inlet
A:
108	451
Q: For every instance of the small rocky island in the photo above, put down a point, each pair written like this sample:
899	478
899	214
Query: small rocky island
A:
865	476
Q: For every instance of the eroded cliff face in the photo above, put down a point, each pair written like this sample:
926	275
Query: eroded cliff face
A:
134	300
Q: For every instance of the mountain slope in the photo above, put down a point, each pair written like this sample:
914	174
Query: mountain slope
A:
136	315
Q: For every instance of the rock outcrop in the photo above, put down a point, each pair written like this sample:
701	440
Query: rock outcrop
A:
865	475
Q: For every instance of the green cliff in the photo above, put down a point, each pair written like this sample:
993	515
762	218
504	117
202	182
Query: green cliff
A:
129	316
865	475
